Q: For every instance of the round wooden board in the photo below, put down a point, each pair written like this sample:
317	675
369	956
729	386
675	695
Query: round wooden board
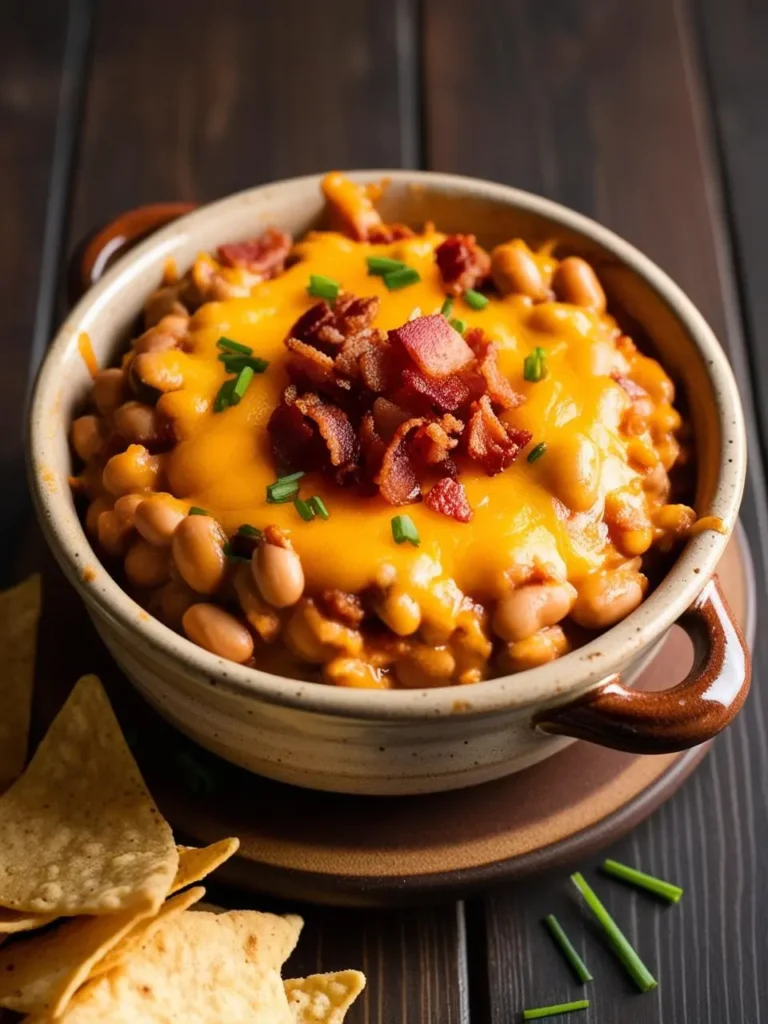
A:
378	851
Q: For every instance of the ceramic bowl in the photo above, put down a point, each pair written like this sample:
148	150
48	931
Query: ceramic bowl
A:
410	741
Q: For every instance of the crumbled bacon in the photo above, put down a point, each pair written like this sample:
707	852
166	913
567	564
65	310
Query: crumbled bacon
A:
334	427
449	498
344	607
490	442
397	479
633	389
463	263
437	349
385	410
264	255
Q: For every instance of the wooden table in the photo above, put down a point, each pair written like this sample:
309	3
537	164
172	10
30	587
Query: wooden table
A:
649	115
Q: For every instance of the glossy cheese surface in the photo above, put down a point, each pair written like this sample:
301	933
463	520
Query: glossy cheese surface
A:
520	528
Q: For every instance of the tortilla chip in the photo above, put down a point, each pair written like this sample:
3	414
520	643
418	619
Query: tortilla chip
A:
80	832
13	921
323	998
19	616
198	967
143	930
195	864
42	973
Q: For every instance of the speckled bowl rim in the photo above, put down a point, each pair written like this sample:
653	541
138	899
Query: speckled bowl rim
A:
568	676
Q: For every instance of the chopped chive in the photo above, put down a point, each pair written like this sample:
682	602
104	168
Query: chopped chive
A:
321	287
535	365
231	555
304	509
537	452
235	363
575	962
403	529
290	477
552	1011
381	265
447	306
279	494
396	279
223	399
475	300
227	345
633	965
639	878
240	386
249	531
458	325
319	507
195	510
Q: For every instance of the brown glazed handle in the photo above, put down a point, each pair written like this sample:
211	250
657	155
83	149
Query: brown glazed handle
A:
97	252
694	711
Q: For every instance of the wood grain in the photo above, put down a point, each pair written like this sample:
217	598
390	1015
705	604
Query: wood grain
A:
622	133
41	52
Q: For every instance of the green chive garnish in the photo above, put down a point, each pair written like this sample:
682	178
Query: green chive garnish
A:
321	287
195	510
235	363
319	507
447	306
475	300
381	265
458	325
401	278
232	555
403	529
535	365
304	509
227	345
552	1011
633	965
249	531
578	966
284	489
639	878
240	386
223	399
537	452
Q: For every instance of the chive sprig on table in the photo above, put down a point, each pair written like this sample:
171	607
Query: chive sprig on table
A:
657	886
322	287
535	365
475	300
228	345
284	489
577	965
447	307
535	453
404	529
458	325
551	1011
401	278
381	265
634	966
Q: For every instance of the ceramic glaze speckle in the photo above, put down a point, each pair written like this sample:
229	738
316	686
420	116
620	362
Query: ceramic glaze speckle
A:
328	737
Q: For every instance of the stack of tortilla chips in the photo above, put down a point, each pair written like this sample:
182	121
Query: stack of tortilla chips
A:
95	895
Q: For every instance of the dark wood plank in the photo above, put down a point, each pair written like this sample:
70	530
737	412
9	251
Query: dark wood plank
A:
188	102
41	57
545	97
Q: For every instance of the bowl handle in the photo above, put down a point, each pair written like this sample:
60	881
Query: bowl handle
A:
98	250
692	712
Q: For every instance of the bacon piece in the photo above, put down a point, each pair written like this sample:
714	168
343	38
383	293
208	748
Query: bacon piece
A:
449	498
463	263
308	364
343	607
334	427
264	255
397	480
331	326
387	417
377	367
372	447
309	324
447	394
490	442
436	348
498	388
433	441
295	443
633	389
